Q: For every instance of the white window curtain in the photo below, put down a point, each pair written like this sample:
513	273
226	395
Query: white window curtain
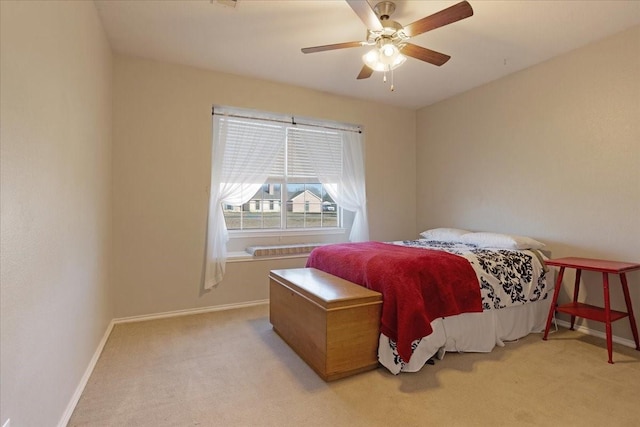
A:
247	150
242	156
338	162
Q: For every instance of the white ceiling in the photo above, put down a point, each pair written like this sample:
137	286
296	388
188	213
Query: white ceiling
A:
262	39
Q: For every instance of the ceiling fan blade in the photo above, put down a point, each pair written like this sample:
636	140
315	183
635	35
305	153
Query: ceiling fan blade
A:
366	14
424	54
365	73
444	17
331	47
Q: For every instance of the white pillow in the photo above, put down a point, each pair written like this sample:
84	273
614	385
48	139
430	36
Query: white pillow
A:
444	234
500	241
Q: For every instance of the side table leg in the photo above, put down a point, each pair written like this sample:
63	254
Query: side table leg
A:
607	315
576	290
627	300
552	308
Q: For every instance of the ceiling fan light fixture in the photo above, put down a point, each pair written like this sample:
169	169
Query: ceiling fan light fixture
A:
397	60
384	58
388	50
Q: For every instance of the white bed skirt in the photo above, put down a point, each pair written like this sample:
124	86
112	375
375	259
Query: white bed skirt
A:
469	332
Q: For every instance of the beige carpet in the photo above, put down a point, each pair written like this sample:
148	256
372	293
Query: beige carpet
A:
230	369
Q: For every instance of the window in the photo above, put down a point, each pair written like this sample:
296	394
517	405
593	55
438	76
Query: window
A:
308	204
270	173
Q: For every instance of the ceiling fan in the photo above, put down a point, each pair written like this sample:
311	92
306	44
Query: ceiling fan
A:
391	39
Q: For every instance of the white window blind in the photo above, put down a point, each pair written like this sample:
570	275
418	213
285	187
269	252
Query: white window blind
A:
307	150
310	150
240	136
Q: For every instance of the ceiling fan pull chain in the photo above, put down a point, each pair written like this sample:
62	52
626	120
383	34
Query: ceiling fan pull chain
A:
392	87
384	76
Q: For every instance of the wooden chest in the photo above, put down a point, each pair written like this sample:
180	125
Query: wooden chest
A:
332	324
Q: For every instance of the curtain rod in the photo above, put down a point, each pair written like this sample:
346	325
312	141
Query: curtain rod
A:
293	121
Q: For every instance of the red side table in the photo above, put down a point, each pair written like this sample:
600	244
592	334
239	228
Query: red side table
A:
586	311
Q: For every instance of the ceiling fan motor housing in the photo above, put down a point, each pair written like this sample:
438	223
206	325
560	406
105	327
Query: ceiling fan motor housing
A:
391	30
384	9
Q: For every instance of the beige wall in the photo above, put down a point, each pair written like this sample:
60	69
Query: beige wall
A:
55	96
161	161
552	152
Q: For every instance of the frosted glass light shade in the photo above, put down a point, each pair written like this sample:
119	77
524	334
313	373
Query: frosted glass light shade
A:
384	58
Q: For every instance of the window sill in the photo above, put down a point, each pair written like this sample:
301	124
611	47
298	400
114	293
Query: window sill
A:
245	257
289	241
238	234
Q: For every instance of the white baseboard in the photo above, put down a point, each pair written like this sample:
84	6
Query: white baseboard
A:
188	311
587	331
92	364
85	378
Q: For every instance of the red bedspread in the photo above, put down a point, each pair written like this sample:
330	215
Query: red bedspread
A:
417	285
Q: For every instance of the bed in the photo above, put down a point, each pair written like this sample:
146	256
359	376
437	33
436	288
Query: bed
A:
466	292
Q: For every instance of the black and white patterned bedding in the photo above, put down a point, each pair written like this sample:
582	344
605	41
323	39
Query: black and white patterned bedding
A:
506	277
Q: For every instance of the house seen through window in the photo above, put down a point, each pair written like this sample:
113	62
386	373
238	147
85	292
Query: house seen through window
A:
306	205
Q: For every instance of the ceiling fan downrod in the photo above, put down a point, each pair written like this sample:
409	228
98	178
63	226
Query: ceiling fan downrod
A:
384	9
